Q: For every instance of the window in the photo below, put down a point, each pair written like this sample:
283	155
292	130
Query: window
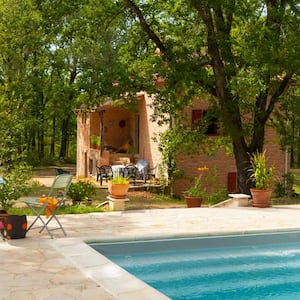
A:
200	116
197	115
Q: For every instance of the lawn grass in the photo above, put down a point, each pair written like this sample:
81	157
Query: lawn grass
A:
138	200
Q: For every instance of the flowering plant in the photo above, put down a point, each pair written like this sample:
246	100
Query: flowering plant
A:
81	190
197	190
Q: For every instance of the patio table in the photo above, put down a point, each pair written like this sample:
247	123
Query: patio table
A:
117	170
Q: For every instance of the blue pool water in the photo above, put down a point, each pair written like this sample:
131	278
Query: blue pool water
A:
234	267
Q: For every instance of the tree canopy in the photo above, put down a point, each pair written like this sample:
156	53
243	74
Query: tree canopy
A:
54	56
242	56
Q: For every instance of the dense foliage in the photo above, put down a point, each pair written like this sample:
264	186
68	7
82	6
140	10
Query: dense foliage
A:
240	55
57	56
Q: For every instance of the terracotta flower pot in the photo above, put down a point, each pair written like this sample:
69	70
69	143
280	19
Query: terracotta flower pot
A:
192	201
261	198
117	190
89	202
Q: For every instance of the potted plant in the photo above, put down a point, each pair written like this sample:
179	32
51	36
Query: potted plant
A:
118	187
80	191
262	178
195	194
95	141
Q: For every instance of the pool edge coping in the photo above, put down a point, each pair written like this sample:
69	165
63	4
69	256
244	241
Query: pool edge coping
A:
111	277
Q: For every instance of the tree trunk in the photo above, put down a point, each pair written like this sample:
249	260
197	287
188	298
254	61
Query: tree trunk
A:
52	146
64	137
41	145
66	121
242	161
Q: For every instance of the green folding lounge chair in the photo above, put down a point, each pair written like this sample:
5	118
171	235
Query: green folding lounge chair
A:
45	208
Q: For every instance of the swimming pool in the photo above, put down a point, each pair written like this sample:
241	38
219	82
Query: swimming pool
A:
260	266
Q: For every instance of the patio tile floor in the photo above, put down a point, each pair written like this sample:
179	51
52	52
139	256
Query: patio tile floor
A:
38	267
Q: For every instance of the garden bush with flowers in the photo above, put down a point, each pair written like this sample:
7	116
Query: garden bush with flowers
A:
212	195
81	190
197	190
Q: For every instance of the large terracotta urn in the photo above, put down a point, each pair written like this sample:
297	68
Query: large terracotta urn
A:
261	198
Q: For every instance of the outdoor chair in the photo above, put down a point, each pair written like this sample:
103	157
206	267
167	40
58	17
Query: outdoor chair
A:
59	171
130	172
144	171
151	172
50	204
104	172
142	167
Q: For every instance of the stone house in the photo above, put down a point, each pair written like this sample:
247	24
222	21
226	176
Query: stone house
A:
129	135
124	134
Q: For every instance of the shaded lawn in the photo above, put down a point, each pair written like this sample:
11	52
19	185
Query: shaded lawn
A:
138	200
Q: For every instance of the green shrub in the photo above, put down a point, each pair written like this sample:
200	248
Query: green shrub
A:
15	185
81	190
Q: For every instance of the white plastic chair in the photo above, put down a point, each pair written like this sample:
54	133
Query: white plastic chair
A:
145	171
142	167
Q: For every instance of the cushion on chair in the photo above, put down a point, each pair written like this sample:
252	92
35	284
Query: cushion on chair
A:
51	204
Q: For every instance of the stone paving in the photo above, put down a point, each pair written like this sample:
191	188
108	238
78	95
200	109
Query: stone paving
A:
38	267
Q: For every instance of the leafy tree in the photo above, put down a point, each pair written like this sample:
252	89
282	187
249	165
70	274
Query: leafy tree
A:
54	54
241	53
287	122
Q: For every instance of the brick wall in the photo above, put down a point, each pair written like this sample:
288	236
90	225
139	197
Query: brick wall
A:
226	164
148	129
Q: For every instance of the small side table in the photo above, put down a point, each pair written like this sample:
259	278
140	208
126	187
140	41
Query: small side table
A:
243	199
